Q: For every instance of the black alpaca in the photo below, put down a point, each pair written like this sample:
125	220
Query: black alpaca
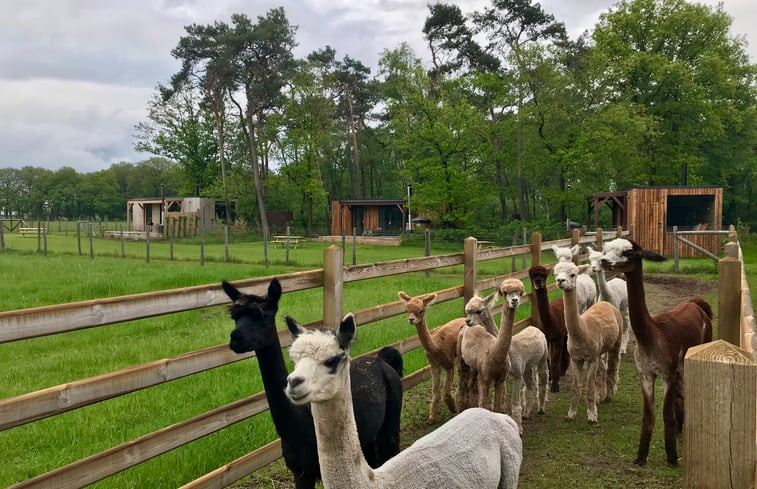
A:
376	389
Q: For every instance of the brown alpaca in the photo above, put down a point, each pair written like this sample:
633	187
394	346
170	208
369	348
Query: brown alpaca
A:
478	311
661	343
440	345
552	324
590	335
487	355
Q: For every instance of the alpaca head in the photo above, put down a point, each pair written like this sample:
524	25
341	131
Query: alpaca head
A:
477	307
565	254
595	258
321	361
255	317
623	255
538	275
513	291
567	272
416	306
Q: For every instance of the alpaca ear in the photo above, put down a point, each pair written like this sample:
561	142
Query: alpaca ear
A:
230	290
428	299
652	256
490	299
346	331
556	250
585	269
274	291
294	328
402	295
575	250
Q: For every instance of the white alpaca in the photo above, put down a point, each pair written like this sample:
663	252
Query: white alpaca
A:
586	289
528	361
590	335
613	291
476	449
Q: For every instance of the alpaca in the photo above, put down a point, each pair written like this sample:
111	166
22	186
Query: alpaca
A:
528	360
586	288
487	355
478	311
613	291
553	325
475	449
440	345
590	335
661	343
377	388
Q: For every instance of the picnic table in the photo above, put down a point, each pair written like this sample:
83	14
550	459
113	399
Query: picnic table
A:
282	240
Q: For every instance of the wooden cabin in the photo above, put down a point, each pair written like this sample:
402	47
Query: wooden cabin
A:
654	211
178	215
369	217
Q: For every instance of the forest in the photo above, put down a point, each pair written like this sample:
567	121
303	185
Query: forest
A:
508	122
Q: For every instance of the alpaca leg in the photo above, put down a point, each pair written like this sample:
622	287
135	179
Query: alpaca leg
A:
555	364
483	392
600	379
565	356
435	393
530	402
305	481
647	423
575	389
449	376
516	402
626	330
613	376
543	380
668	417
498	403
592	394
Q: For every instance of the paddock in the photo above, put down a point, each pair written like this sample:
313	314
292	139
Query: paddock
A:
30	323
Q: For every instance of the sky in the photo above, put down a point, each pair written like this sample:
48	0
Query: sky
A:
76	75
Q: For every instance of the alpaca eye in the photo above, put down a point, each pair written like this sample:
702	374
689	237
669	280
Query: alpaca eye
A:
333	362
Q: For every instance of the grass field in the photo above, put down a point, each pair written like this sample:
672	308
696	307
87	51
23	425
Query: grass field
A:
29	279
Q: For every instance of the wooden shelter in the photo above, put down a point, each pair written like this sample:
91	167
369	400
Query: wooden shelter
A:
369	217
654	211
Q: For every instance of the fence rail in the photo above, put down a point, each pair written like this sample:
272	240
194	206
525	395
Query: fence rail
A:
50	320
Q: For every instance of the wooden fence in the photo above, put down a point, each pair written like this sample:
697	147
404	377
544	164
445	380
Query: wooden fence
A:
49	320
720	381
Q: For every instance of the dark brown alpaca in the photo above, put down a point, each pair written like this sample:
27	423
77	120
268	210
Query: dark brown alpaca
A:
552	324
661	343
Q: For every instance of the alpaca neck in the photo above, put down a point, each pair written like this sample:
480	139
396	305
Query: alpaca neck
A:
274	373
424	336
542	305
341	458
504	337
604	292
488	322
638	314
572	316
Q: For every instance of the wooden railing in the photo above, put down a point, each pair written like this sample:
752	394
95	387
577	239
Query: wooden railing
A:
720	381
60	319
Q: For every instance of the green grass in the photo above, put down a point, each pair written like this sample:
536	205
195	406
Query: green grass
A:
29	279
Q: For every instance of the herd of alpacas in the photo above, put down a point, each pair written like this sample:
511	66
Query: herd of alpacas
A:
339	419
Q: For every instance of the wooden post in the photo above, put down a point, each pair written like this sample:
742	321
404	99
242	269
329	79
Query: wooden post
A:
286	259
2	237
123	245
619	232
575	239
427	245
512	261
676	244
599	242
354	245
91	242
535	248
333	286
470	262
720	381
147	245
523	257
170	240
729	295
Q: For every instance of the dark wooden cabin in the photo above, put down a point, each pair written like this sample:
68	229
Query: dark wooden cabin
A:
370	217
653	211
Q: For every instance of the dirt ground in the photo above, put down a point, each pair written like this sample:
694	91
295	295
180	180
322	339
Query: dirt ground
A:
663	292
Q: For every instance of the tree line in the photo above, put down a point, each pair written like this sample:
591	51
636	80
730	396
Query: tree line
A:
509	121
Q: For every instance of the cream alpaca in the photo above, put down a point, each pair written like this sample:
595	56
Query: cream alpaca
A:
613	291
477	449
487	355
591	334
528	361
440	345
586	288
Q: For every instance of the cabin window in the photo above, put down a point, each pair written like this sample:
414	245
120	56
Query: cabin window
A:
690	212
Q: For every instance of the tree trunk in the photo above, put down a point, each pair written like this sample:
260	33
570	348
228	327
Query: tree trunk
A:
359	189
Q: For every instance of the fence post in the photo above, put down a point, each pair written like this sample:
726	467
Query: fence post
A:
470	263
535	260
675	248
618	231
729	295
2	237
427	245
575	239
599	241
720	381
354	246
333	285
